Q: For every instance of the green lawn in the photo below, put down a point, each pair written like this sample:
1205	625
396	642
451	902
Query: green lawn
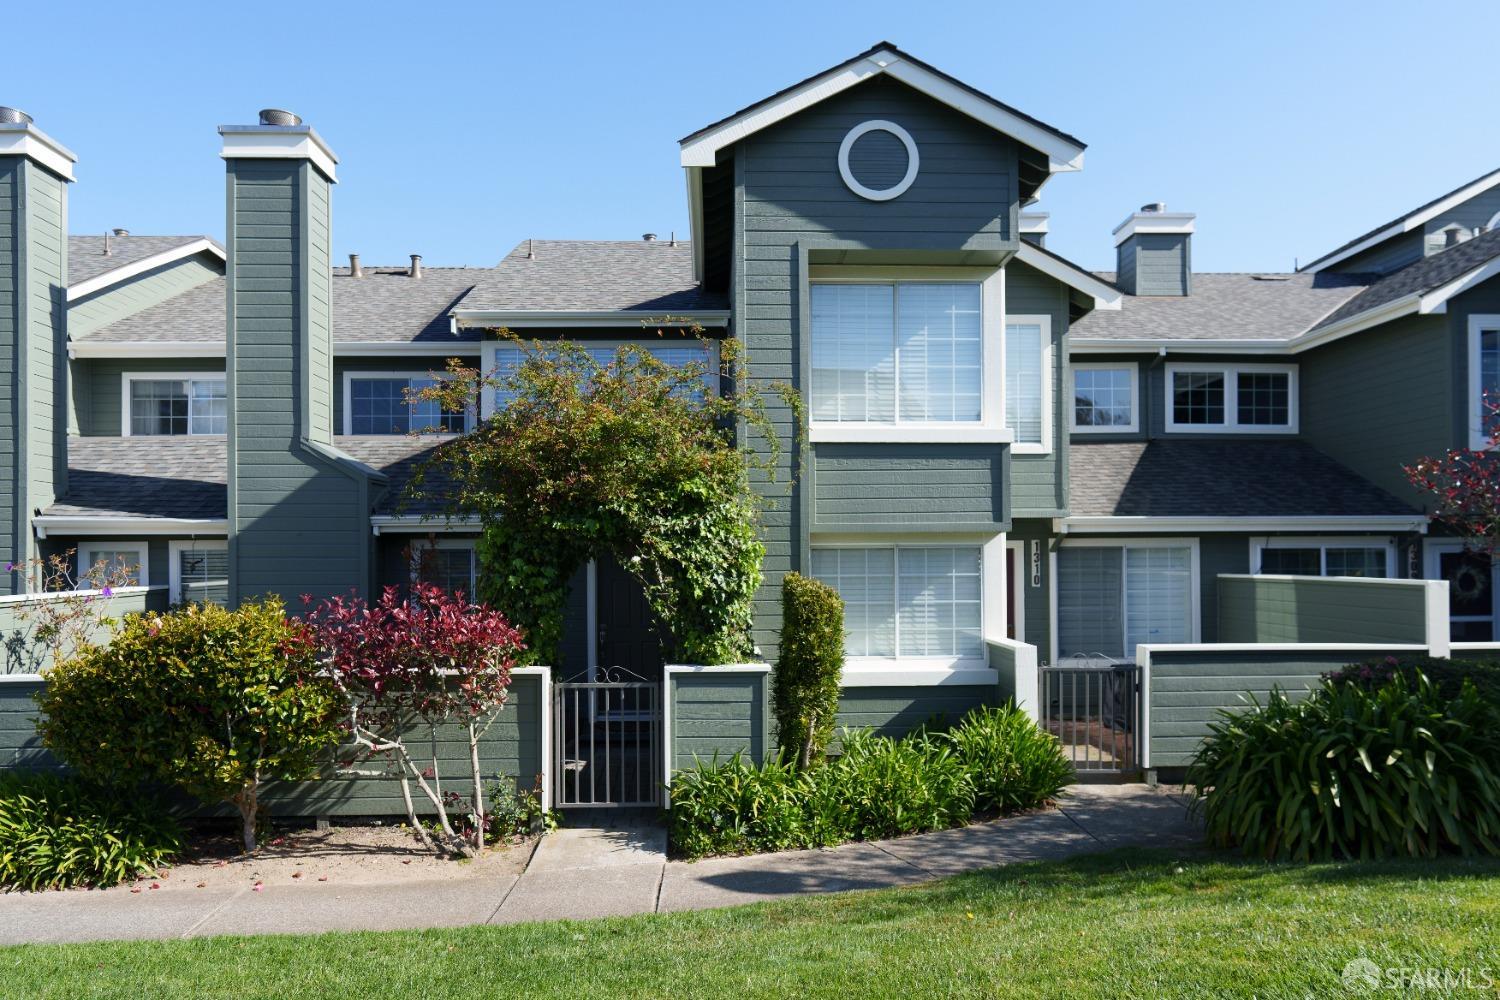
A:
1125	924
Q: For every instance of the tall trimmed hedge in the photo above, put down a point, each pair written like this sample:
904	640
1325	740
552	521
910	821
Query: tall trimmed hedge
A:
805	688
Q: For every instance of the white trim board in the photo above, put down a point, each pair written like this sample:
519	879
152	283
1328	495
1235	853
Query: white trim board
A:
83	524
620	319
400	524
28	140
1105	524
1405	224
1105	295
90	285
278	142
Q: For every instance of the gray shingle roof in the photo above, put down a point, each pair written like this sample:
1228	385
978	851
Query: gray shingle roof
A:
87	259
172	477
384	305
1429	273
1225	307
654	278
1218	478
185	477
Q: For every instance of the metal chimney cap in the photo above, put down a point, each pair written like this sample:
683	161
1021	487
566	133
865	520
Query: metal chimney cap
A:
416	265
13	116
276	116
355	270
649	237
120	232
1154	207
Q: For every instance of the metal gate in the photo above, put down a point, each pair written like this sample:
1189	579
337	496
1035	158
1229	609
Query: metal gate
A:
1093	706
606	739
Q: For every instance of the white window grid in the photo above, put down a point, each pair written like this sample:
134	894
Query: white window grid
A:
1230	374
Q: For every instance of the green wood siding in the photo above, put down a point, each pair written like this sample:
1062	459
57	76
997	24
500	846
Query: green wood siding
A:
789	199
99	386
13	290
1039	483
905	488
1188	689
896	711
1383	258
298	510
718	715
1155	264
1383	399
1037	601
1314	609
20	653
20	746
144	290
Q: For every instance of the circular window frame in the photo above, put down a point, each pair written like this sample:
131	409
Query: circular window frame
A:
913	161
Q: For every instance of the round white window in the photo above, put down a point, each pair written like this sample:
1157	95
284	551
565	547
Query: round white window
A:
878	166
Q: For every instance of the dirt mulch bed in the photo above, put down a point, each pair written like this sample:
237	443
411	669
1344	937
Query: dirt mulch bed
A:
343	855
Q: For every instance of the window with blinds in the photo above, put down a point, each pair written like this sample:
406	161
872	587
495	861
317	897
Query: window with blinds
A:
203	575
1111	599
681	355
1025	352
907	601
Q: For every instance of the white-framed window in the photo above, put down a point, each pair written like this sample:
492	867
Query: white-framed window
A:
109	556
1028	383
917	604
907	354
1353	556
1473	589
1484	377
1106	397
451	564
1240	398
199	571
1115	594
385	403
505	357
173	403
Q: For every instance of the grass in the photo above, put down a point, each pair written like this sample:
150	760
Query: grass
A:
1130	923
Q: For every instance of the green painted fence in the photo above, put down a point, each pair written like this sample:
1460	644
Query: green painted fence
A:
1329	609
18	621
717	711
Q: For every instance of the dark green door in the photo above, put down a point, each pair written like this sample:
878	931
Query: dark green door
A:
627	634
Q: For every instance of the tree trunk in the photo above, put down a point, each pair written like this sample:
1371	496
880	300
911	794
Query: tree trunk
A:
479	818
246	800
411	814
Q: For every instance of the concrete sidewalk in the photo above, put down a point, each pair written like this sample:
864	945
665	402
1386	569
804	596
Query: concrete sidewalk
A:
582	873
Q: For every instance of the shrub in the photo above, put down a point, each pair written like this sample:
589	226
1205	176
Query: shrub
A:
1013	763
878	787
1448	675
59	832
1353	771
805	686
212	701
517	812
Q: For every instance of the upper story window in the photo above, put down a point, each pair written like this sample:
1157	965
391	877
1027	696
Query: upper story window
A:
906	352
386	403
678	354
175	404
1212	398
1484	378
1105	398
1028	397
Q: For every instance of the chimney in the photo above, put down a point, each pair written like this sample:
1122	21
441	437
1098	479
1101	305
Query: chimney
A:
355	271
1034	227
298	507
35	171
1153	251
416	265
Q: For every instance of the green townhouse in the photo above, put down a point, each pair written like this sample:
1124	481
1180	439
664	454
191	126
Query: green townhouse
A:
1006	454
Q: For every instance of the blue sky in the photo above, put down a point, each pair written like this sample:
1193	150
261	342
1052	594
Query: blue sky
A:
464	128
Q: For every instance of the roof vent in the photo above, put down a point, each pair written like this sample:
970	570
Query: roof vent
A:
120	232
416	265
649	237
1154	207
355	271
1454	235
276	116
13	116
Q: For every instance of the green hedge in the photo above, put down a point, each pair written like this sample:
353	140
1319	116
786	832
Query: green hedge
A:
996	759
1448	675
805	686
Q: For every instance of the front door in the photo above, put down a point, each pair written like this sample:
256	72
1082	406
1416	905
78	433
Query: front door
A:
1472	599
626	632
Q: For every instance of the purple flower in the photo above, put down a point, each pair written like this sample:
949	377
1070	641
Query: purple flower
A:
107	591
10	567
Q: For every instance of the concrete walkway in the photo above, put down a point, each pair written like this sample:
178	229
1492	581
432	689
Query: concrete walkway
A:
582	873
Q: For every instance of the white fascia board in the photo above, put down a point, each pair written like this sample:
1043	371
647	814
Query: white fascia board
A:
87	348
1102	345
278	142
1096	525
596	319
909	433
91	285
382	524
180	527
703	150
1407	224
1436	301
694	177
1034	223
32	142
386	348
1154	222
1105	295
722	668
854	676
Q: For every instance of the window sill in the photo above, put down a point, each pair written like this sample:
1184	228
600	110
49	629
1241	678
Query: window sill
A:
874	672
909	434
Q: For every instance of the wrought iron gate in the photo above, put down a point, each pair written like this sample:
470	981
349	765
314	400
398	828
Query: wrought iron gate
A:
1093	706
606	739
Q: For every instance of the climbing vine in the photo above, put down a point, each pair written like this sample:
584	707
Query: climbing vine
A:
629	457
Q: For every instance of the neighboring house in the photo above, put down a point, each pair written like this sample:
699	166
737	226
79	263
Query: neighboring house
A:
1001	443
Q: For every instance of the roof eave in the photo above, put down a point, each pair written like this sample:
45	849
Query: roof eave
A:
486	319
1105	295
1152	524
107	524
118	274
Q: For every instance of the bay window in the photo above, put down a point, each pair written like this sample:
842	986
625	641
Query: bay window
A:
163	405
1231	398
386	403
1112	597
907	601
